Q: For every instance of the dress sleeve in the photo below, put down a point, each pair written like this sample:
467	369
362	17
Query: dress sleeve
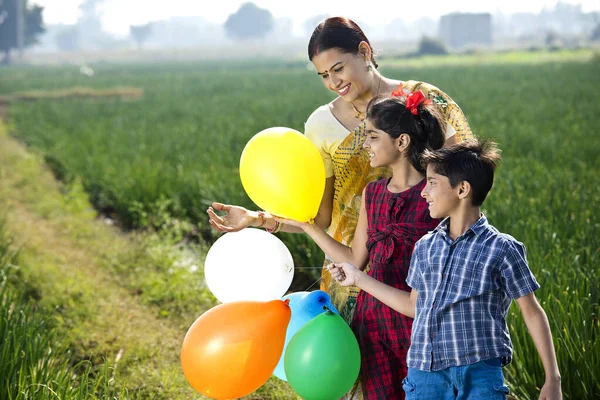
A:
314	131
456	120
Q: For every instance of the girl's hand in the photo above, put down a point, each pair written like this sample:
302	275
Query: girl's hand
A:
345	273
302	225
235	219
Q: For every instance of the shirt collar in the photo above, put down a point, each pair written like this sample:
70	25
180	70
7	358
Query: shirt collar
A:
480	226
477	228
443	226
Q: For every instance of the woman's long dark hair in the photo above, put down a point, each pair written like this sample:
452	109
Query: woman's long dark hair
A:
337	33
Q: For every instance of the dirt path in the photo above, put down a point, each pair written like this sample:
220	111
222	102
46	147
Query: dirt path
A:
63	259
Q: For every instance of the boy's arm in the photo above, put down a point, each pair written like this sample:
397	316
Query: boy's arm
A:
539	329
399	300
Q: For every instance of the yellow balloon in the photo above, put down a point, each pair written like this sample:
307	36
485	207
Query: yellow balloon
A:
283	173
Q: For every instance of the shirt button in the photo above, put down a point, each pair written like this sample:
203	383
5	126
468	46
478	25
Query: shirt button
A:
433	306
443	276
432	335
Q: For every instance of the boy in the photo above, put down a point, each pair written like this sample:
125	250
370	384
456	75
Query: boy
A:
464	275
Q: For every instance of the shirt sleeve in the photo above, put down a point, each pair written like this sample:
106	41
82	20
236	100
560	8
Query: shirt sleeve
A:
518	278
414	273
313	131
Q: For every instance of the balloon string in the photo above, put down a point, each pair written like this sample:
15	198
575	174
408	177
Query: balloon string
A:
314	283
308	267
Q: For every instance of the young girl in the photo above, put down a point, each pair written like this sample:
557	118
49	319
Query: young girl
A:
392	217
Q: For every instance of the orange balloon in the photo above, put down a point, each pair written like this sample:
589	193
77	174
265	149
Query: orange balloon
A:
233	348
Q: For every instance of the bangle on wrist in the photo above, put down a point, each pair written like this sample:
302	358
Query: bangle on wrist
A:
262	219
276	229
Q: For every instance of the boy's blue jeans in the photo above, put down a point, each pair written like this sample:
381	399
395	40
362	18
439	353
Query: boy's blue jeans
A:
482	380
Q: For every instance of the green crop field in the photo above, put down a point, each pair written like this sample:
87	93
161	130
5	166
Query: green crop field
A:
158	161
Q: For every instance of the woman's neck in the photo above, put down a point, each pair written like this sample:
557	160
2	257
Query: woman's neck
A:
404	176
377	87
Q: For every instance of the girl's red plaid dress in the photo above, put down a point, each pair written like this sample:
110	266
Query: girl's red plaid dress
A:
395	222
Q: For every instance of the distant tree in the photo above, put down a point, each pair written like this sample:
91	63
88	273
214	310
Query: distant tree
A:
140	33
33	21
311	23
553	41
551	38
596	33
68	38
249	22
428	45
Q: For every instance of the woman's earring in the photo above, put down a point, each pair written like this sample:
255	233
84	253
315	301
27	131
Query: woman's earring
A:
369	67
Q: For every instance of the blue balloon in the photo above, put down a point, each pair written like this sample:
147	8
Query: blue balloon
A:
305	306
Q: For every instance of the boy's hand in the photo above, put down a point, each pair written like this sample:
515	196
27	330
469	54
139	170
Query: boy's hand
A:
551	390
345	273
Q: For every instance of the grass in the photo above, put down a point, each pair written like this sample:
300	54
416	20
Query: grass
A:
74	92
34	362
113	297
497	58
158	162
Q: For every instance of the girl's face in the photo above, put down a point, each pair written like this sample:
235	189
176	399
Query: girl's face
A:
383	150
343	73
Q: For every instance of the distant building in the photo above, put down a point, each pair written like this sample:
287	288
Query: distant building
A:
459	30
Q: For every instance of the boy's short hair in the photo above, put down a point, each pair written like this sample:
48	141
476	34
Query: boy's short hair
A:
470	161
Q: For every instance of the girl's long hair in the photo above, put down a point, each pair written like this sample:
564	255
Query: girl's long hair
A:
426	129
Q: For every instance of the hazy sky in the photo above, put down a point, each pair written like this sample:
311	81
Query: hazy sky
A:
118	15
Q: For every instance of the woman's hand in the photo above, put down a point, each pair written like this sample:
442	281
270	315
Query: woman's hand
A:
345	273
235	219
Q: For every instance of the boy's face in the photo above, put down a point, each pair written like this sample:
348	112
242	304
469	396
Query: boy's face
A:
441	197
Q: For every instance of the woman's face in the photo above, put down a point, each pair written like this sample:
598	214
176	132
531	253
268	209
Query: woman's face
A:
343	73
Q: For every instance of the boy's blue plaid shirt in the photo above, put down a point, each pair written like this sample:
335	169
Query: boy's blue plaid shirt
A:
465	288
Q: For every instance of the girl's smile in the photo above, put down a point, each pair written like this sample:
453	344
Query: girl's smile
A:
380	146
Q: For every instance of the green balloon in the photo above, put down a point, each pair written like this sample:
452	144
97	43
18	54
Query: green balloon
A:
322	360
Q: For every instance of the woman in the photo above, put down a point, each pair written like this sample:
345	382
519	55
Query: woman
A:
344	60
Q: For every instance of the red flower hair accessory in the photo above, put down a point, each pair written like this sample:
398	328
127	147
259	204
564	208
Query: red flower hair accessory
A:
398	92
414	99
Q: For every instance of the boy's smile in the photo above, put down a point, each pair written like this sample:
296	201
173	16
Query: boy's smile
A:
440	196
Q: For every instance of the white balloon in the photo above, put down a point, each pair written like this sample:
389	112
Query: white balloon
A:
248	265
